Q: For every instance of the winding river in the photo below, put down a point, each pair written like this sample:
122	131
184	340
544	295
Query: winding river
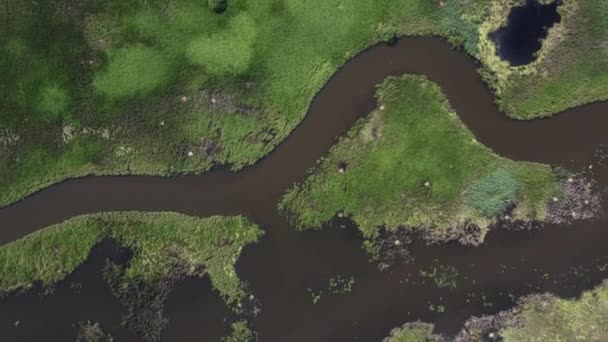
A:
560	259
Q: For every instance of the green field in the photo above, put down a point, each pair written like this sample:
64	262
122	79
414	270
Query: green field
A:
537	318
159	242
171	86
413	163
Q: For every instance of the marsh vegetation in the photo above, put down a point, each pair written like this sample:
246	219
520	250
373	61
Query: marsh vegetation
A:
166	87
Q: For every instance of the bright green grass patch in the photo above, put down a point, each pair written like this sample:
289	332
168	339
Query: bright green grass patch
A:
133	70
413	163
158	241
230	52
553	319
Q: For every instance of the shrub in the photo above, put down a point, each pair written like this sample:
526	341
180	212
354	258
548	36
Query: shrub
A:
493	193
218	6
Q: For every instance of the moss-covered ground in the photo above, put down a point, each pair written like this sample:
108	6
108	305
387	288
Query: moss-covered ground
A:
159	242
170	86
413	163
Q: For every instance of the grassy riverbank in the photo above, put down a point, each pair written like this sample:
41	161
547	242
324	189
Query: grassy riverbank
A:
413	163
159	242
165	248
536	318
165	87
547	318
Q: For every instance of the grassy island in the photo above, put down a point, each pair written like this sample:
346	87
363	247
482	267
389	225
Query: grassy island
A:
412	163
172	86
536	318
165	247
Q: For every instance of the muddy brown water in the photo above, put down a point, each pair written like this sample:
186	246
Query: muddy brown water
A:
562	259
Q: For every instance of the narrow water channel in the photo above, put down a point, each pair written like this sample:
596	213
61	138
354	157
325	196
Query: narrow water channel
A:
561	259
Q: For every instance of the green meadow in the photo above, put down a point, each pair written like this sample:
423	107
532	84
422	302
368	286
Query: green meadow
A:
178	86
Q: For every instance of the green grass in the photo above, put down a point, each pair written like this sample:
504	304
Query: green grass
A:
246	76
413	163
413	332
240	333
132	70
158	241
553	319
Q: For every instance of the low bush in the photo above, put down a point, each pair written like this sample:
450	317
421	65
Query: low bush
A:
491	194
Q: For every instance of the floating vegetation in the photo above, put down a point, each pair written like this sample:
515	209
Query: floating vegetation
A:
335	286
442	276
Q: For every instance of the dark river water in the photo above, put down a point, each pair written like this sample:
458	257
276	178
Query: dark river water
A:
562	259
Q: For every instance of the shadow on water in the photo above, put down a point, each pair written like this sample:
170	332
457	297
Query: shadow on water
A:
520	40
561	259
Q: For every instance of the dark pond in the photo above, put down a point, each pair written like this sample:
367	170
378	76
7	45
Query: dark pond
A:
281	269
527	26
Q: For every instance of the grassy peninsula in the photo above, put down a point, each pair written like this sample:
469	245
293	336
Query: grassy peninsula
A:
172	86
412	163
158	241
165	248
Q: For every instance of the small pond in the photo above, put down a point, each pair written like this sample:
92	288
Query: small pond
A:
520	40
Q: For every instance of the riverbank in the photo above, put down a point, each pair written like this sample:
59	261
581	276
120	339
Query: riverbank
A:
165	248
412	164
149	90
535	318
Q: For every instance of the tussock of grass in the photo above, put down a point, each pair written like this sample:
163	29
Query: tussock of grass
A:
413	163
158	241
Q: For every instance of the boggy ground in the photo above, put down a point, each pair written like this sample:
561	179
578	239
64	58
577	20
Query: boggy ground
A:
535	318
412	164
165	248
171	86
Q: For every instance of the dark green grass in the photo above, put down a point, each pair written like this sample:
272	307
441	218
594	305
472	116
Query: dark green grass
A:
172	86
159	241
413	163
